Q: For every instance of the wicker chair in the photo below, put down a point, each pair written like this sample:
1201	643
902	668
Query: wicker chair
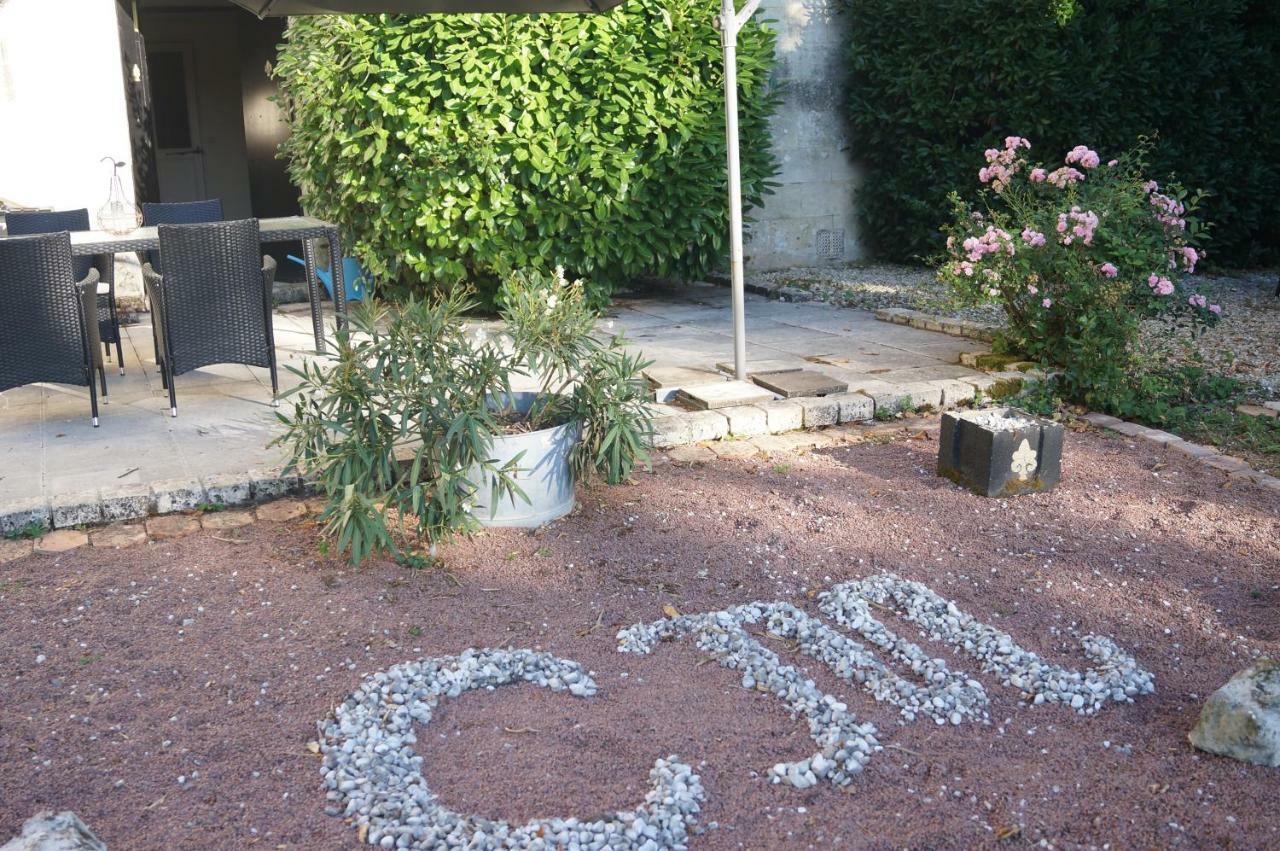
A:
46	327
177	213
27	223
213	303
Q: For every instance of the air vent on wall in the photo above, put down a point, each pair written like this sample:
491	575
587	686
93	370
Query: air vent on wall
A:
831	244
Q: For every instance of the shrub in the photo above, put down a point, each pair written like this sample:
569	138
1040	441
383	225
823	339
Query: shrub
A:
932	82
1078	254
458	148
399	428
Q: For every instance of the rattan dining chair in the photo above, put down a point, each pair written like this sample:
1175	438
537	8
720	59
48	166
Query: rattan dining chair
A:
27	223
213	302
177	213
47	327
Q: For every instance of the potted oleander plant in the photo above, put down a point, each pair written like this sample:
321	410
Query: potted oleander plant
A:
425	425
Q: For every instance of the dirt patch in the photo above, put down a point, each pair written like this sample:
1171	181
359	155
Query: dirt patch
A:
179	684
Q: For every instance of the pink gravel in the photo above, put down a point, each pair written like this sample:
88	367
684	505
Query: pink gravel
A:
211	659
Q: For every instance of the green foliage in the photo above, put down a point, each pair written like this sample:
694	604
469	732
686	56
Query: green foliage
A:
457	148
932	82
399	428
1078	257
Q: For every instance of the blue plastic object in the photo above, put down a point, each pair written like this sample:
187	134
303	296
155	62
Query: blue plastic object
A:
353	277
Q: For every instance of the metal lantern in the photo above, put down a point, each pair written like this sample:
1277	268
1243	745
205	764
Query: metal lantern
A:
118	215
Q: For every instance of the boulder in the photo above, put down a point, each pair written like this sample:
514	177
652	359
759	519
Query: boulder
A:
47	831
1242	719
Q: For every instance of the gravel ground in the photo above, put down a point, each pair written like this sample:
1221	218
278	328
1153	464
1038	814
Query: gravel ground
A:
168	694
1245	344
875	286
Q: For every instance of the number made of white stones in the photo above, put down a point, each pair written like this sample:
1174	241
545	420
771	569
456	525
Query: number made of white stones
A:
373	777
1115	676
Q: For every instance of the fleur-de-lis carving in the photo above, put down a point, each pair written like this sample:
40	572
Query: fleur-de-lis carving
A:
1024	460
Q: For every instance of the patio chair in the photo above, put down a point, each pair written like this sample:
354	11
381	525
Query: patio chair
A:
213	302
177	213
27	223
47	327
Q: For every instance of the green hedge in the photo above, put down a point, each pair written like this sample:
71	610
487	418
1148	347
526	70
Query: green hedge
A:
933	83
454	148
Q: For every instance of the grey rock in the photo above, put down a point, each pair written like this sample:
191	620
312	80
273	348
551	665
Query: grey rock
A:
228	488
173	495
19	514
1242	719
76	509
126	502
47	831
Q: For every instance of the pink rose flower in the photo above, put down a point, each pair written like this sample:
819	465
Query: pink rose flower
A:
1048	302
1216	310
1197	300
1033	289
1038	175
1109	270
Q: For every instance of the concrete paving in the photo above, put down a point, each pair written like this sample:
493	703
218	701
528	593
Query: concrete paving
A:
48	447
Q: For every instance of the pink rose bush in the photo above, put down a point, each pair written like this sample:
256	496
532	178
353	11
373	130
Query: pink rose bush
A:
1099	248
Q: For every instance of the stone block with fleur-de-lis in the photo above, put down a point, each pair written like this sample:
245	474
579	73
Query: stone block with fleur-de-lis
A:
1000	451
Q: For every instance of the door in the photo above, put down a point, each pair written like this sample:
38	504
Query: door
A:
179	157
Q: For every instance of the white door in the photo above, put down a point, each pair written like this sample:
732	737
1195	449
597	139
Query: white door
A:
179	157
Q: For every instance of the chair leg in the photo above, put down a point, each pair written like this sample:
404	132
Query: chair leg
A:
102	377
119	352
275	381
93	399
173	399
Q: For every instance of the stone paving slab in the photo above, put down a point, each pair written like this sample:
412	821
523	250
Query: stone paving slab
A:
801	382
722	394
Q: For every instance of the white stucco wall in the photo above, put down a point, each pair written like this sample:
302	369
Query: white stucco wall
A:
818	177
62	104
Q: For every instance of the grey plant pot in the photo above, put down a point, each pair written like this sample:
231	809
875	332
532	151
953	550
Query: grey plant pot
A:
1000	452
545	475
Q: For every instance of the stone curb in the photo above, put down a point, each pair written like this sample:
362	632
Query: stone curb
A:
969	328
972	329
1237	469
674	426
158	528
137	502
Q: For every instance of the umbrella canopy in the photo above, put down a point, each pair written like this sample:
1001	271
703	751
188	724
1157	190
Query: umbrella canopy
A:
280	8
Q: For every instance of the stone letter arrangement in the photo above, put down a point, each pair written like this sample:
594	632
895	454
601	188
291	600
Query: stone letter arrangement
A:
374	778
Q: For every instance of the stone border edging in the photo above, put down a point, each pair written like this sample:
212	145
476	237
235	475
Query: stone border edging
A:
159	528
137	502
970	328
681	427
1237	469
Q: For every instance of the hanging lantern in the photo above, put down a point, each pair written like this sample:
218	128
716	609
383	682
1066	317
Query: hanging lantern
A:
118	215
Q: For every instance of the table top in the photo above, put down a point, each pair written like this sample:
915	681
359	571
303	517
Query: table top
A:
281	229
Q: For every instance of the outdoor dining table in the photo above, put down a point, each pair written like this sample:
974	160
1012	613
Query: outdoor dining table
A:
92	243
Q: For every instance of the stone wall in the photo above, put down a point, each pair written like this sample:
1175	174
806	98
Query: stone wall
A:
809	220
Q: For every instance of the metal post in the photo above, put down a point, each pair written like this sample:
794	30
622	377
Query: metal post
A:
730	22
729	25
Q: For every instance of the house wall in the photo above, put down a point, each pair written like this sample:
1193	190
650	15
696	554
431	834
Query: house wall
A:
62	103
815	202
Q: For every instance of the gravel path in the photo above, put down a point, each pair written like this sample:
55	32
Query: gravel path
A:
169	694
1245	344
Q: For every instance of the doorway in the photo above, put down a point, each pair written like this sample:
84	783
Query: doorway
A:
179	156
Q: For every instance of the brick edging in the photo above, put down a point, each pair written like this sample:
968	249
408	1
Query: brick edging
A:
1236	469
